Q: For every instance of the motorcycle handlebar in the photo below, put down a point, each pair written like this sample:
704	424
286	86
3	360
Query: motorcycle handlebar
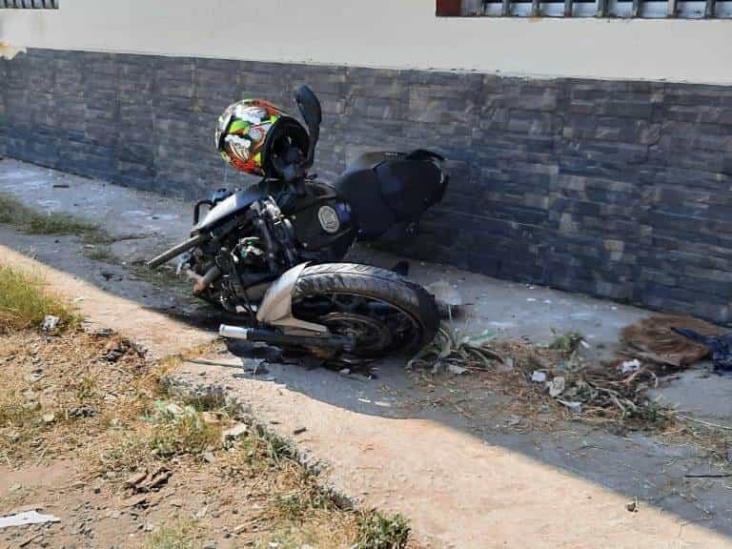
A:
175	251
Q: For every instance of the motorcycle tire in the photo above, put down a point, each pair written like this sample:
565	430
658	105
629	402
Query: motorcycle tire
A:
409	301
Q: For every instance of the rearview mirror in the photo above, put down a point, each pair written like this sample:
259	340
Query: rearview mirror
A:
311	112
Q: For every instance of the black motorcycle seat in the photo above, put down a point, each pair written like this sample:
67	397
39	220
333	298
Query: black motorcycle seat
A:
385	188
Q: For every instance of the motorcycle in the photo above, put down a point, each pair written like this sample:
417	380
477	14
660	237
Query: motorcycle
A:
270	254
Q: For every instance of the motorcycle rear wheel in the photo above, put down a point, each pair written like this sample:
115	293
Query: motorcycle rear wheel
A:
381	311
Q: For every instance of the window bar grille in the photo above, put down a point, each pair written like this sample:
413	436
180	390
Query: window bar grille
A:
29	4
506	8
628	9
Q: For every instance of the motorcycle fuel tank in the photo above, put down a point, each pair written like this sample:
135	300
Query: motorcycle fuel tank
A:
323	221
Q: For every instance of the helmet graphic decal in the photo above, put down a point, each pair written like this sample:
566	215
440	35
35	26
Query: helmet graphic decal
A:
241	133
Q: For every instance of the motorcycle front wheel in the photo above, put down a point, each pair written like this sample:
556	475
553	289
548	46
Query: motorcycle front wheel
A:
381	312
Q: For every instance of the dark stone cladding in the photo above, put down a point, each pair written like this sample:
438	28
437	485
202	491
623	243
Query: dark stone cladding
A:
611	188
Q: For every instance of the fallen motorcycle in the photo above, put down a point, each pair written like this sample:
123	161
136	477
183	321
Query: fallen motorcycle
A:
270	253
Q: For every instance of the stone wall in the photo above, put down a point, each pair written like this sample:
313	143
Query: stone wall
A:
616	189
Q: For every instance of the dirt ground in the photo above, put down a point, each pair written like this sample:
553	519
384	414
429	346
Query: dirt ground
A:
83	417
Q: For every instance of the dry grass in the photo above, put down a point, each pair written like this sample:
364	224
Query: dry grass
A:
12	212
120	418
25	301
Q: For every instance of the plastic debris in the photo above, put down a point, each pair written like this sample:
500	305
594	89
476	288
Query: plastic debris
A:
50	322
455	369
538	376
478	340
28	517
630	366
556	386
575	407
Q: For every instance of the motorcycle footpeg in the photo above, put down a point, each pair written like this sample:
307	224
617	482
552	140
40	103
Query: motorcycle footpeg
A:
273	337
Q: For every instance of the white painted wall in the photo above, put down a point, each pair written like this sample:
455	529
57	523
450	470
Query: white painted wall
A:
382	33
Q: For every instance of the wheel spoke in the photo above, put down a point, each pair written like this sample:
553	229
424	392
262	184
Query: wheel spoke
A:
373	324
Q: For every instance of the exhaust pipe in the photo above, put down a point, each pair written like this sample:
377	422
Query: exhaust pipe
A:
265	335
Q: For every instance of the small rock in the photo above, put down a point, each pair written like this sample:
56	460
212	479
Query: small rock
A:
50	322
345	371
238	430
208	457
299	430
212	418
210	545
82	411
632	506
136	479
48	418
173	409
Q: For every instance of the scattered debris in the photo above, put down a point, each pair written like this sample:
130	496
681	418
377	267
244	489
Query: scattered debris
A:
654	340
118	347
27	517
630	366
149	481
632	506
600	392
567	343
573	406
299	430
50	323
537	376
556	386
456	370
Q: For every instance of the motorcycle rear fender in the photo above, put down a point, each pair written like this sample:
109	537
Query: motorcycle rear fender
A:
276	307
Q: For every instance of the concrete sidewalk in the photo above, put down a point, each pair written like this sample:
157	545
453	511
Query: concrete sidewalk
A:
464	482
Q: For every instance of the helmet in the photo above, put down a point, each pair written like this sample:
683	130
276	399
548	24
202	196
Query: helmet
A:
254	136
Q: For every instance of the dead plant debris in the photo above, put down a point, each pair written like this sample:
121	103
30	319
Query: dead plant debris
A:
556	374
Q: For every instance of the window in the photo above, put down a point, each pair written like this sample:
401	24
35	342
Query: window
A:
29	4
646	9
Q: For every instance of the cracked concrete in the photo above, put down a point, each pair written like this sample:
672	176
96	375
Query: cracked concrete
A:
465	480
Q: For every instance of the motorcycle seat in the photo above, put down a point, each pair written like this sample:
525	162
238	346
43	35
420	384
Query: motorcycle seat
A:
388	188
